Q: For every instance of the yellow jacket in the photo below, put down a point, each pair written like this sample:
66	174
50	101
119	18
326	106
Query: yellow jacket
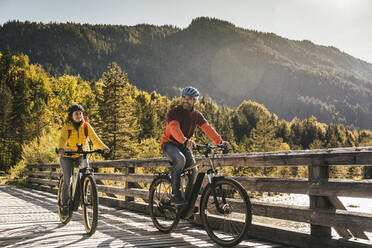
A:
68	142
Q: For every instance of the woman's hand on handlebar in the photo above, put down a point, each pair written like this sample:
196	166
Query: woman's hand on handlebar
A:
106	150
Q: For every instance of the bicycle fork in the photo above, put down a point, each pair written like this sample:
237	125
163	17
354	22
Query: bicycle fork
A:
212	182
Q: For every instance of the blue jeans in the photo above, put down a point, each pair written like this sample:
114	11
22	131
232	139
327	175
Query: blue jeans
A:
181	158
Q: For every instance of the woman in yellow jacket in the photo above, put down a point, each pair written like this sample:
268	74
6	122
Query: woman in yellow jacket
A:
73	133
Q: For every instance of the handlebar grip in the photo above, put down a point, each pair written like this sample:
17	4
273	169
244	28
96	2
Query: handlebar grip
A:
199	147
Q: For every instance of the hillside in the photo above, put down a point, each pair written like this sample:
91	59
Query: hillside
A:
33	108
228	63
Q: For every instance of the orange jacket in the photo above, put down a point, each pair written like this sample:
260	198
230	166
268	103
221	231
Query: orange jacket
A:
181	125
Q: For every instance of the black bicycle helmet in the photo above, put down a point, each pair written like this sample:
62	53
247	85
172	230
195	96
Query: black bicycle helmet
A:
75	107
191	91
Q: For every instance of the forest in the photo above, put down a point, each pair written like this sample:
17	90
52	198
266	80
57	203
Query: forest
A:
33	106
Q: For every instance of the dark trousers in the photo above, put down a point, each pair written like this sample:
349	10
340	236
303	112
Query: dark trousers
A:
181	158
67	166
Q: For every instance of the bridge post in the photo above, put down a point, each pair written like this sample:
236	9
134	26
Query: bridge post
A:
129	185
367	172
319	173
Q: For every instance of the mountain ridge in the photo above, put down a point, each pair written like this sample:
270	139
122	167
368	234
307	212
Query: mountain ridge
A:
230	64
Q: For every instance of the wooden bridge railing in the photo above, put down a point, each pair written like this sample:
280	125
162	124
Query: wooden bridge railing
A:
325	210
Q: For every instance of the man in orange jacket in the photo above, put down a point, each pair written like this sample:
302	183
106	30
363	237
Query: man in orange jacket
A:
176	141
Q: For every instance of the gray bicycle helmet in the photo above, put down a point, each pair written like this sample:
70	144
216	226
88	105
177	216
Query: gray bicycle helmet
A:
191	91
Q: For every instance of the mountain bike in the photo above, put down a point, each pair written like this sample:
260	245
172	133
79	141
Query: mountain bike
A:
225	208
83	191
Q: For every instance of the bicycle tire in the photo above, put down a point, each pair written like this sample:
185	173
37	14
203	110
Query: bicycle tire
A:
162	213
64	219
89	204
224	229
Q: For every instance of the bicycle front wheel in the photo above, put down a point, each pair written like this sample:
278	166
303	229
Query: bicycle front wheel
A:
64	219
226	212
90	204
163	214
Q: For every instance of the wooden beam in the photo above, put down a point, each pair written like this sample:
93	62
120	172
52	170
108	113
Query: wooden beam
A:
336	156
332	188
337	204
317	173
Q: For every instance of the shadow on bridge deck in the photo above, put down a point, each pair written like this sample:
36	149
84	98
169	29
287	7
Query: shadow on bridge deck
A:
28	218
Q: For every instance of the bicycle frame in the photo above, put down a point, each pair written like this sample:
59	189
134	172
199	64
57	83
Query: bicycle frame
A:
212	174
217	203
77	189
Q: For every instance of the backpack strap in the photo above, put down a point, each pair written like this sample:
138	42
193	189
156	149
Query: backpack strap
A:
86	126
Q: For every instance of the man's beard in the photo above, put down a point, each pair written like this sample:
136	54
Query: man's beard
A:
187	106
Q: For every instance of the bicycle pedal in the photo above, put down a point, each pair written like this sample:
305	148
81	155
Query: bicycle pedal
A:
190	215
190	218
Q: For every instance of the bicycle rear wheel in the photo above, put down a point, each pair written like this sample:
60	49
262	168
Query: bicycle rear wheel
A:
90	204
64	219
228	226
163	214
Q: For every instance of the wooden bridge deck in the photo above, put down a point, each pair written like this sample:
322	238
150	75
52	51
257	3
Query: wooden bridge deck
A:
28	218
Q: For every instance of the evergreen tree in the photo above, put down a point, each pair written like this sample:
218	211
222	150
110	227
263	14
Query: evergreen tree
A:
117	111
263	137
146	116
6	99
27	89
245	118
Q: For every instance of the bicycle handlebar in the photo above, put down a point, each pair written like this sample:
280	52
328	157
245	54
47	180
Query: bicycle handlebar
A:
209	148
69	153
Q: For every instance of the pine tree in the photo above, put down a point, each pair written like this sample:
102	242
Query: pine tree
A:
6	99
146	116
117	111
27	88
245	118
263	138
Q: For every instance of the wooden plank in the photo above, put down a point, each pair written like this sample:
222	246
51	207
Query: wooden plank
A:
43	188
338	219
266	231
145	178
129	185
99	182
348	188
336	156
49	174
342	219
135	206
337	204
34	223
319	202
132	192
297	239
328	218
49	182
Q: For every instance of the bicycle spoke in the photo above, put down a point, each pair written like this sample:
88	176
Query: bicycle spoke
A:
229	226
162	213
90	205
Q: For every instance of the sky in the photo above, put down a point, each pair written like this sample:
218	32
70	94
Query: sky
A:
345	24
